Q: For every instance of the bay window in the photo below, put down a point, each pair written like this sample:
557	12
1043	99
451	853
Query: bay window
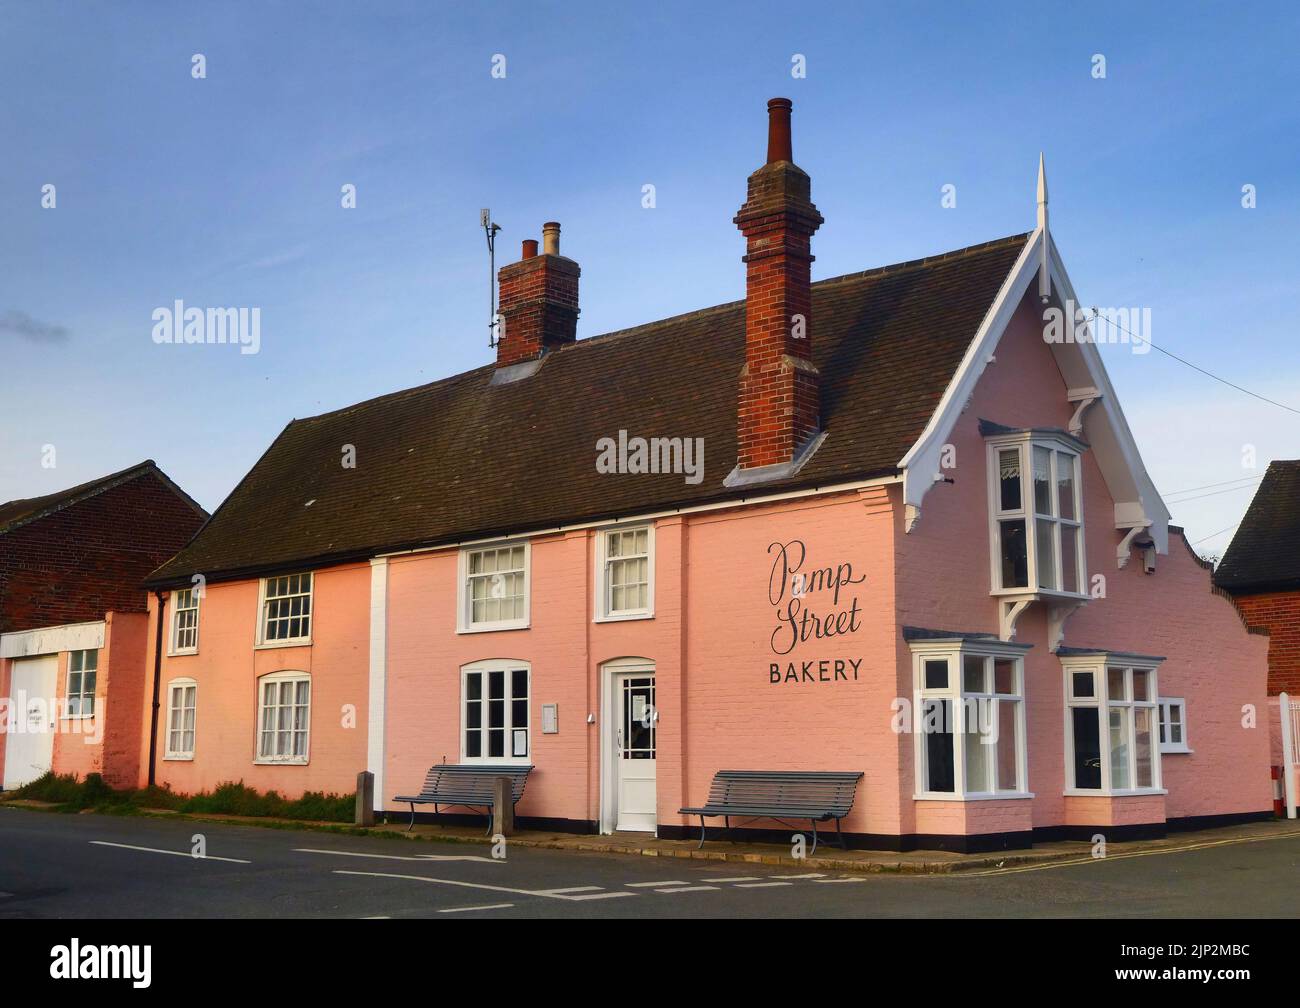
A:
969	721
1036	511
1111	725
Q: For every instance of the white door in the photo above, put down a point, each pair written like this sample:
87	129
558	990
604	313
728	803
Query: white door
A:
29	745
634	754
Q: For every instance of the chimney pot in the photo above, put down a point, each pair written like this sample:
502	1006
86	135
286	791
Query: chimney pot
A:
778	130
530	248
551	238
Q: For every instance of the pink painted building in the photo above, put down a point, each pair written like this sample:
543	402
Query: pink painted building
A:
883	523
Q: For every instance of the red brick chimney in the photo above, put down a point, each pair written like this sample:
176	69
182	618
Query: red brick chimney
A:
779	386
538	300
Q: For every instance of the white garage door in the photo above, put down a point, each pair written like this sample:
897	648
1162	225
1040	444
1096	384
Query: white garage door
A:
29	743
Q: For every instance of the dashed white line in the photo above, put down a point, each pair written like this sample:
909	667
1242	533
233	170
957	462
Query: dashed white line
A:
813	875
690	888
736	878
548	893
651	885
761	885
174	853
490	906
830	880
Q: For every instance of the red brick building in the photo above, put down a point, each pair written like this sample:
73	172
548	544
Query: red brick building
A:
1261	570
72	621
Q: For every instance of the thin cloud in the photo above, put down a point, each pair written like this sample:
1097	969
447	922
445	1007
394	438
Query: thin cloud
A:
20	324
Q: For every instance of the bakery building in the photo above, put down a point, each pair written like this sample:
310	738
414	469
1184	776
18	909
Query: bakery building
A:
912	539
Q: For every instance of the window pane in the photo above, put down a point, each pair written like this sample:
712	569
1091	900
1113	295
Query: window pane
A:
978	762
496	742
1116	684
474	686
1081	684
1142	756
936	675
1065	485
1007	763
1141	684
972	669
1087	747
473	745
1045	550
518	713
1015	562
1009	479
1042	480
1119	754
1069	559
1004	676
496	685
938	746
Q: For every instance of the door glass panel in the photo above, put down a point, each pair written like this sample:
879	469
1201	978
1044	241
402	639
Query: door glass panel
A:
638	719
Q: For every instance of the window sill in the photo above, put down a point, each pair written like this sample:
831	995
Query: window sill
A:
954	796
176	758
491	761
623	617
1039	593
76	717
1129	793
1177	750
492	628
280	762
182	654
271	645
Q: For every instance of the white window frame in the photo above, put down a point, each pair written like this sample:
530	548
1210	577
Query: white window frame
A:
263	602
81	694
1024	443
180	684
291	759
196	598
954	652
604	613
464	602
483	668
1100	666
1166	704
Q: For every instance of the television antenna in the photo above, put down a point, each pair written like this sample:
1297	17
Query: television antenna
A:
490	229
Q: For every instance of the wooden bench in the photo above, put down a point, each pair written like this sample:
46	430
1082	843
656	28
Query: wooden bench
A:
468	786
815	795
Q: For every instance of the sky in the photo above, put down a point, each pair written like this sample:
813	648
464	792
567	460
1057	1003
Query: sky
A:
226	190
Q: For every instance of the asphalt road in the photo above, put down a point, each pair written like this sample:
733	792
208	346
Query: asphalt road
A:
92	866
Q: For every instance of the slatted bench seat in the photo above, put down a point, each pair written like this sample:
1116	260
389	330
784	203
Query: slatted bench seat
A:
465	785
815	795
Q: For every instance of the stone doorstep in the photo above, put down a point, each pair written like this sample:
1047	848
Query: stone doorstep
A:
858	861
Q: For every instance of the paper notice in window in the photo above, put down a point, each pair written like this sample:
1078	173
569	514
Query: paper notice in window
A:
520	743
638	708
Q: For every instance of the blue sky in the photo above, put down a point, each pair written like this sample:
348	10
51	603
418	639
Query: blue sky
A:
226	191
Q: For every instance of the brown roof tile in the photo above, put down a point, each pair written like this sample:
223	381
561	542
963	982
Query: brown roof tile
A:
1264	555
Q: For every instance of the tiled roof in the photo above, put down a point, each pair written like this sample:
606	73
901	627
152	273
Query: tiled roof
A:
20	512
460	459
1264	555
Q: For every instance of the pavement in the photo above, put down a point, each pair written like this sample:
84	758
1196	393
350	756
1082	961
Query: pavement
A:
95	866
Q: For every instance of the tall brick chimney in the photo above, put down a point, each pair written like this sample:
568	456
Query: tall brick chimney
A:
779	385
538	300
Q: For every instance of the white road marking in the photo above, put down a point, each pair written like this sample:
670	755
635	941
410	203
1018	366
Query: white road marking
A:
651	885
761	885
399	857
829	880
577	888
549	894
690	888
174	853
736	878
490	906
812	875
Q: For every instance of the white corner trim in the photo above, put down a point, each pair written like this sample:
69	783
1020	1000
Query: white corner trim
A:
377	703
52	640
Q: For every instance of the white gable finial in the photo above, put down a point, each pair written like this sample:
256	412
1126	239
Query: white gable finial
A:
1042	192
1044	263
